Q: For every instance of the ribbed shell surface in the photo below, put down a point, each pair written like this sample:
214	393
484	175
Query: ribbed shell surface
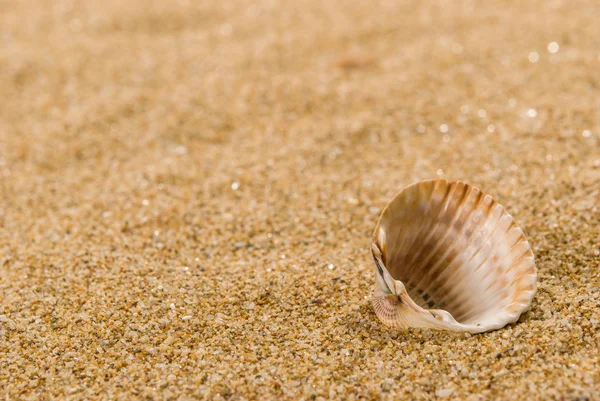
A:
455	248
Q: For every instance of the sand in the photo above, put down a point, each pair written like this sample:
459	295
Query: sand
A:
188	192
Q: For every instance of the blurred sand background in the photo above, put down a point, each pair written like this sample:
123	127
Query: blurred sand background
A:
188	190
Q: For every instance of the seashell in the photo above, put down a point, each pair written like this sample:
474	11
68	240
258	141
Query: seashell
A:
448	256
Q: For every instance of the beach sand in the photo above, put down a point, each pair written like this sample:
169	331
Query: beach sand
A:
188	193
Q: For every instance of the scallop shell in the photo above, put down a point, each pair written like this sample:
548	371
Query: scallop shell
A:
448	256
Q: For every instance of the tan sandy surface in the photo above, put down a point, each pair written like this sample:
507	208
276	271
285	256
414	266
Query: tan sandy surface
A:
188	192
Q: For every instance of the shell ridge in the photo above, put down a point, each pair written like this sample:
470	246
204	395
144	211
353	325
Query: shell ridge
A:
428	273
463	294
487	239
508	253
520	258
526	273
418	267
456	270
394	262
516	261
442	278
478	308
423	229
499	291
443	207
439	279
